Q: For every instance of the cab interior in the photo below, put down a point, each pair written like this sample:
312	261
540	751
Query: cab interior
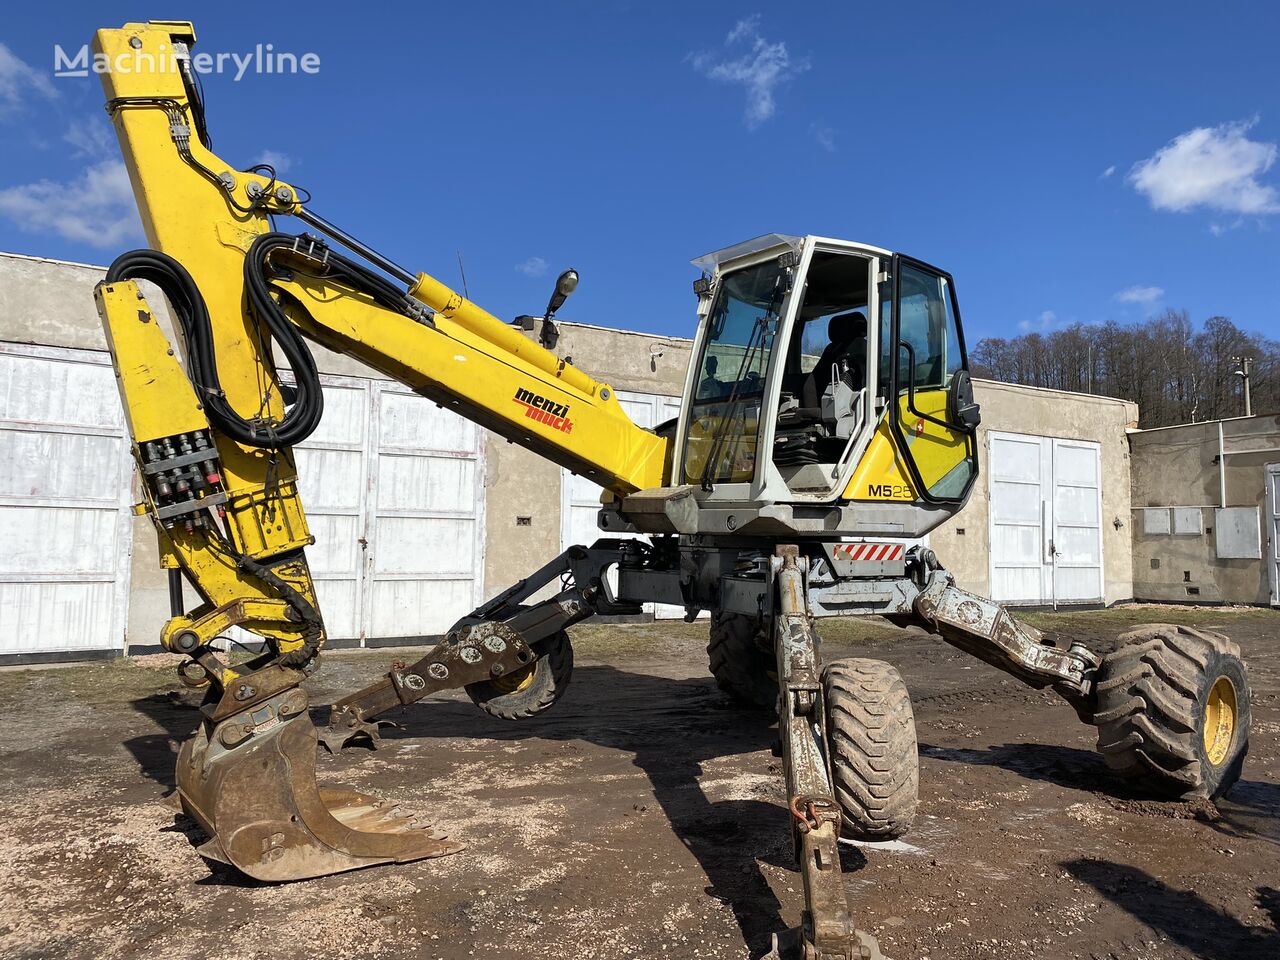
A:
825	400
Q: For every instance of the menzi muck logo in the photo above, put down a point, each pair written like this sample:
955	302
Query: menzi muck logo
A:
554	415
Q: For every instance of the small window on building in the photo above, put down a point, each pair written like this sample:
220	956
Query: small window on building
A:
1239	533
1188	521
1155	520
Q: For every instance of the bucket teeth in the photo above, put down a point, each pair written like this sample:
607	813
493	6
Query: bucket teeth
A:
259	802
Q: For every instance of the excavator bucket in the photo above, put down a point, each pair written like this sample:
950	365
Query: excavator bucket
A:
249	780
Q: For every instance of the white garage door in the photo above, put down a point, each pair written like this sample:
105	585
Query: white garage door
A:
394	493
64	502
1045	519
580	498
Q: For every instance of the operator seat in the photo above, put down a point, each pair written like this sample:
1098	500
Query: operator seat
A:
802	435
845	331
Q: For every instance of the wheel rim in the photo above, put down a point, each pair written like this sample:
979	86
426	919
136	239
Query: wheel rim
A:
1220	720
515	681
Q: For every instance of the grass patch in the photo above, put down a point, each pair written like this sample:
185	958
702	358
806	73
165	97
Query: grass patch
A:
107	681
1138	614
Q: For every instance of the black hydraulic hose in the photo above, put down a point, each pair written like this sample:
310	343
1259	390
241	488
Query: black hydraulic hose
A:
303	415
192	314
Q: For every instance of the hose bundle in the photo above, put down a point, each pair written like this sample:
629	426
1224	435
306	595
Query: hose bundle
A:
303	415
192	314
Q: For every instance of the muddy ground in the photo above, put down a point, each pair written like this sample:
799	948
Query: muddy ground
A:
642	817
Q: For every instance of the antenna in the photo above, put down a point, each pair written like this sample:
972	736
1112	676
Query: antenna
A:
463	270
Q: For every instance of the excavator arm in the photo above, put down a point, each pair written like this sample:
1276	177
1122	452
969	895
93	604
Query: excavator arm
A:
214	423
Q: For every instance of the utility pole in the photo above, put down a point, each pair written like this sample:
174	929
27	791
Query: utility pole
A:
1244	365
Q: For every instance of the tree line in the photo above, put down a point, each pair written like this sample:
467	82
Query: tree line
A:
1174	372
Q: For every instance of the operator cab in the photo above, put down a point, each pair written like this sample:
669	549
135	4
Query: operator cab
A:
794	393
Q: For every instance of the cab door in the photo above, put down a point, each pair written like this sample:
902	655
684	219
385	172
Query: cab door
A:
931	414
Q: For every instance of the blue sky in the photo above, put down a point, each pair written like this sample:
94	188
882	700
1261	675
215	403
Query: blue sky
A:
1067	162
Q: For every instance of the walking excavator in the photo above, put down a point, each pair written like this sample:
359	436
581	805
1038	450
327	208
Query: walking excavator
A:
828	418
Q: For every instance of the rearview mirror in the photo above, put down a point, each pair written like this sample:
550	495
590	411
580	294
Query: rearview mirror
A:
963	409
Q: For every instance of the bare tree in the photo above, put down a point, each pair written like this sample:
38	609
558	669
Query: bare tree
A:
1174	372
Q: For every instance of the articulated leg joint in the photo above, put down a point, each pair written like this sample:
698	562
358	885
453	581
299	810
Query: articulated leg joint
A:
986	630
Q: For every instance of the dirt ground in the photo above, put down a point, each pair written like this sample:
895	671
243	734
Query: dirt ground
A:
643	817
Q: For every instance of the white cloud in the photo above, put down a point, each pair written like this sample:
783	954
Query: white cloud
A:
760	70
825	136
1213	167
533	267
281	161
96	208
1140	294
18	79
1107	172
91	138
1046	320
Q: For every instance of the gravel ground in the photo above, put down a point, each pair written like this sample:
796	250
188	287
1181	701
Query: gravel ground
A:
643	817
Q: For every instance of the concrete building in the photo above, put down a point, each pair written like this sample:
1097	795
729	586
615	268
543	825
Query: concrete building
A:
1205	521
419	515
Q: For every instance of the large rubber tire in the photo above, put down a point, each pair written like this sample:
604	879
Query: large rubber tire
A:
871	731
1173	711
742	660
534	688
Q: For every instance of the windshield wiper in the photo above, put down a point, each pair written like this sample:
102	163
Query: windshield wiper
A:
754	345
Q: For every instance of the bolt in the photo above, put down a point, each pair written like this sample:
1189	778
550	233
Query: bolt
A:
438	671
284	194
186	642
497	670
245	691
413	681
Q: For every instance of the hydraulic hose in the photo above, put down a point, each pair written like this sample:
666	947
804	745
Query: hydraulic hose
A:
303	416
192	314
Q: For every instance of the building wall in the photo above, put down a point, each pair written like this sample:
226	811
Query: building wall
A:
963	544
1178	467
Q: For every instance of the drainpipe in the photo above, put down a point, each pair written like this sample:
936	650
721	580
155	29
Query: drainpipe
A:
1222	466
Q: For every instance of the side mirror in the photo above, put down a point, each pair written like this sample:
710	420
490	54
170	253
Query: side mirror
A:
566	283
962	409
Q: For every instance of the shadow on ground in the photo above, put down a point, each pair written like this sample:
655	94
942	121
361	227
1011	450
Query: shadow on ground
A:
670	727
1182	916
1251	808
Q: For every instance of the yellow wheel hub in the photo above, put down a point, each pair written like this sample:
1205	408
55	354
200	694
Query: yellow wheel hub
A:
1220	721
515	681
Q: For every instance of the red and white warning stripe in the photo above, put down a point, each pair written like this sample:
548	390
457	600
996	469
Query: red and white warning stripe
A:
870	551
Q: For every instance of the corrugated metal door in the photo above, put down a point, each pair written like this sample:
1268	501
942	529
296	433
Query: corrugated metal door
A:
1075	560
1015	481
1045	519
1273	531
426	533
64	502
393	489
333	475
